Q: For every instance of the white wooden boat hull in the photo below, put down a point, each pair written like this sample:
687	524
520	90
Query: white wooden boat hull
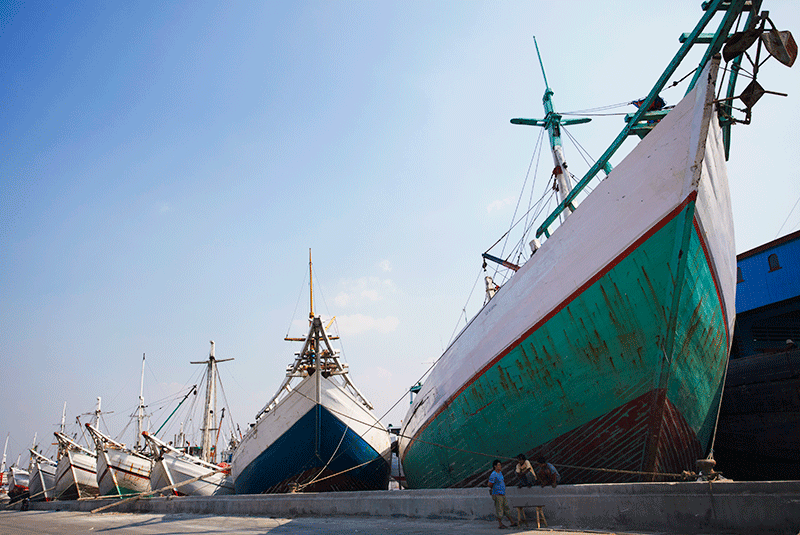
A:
43	482
18	481
299	441
607	348
76	476
172	469
120	473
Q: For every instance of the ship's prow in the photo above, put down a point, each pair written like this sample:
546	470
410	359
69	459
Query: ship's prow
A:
605	351
318	432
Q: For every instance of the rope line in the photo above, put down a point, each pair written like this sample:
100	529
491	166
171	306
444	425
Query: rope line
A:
455	329
495	456
333	456
300	487
296	305
788	216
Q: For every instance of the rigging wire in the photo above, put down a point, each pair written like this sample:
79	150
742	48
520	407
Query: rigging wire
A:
788	216
464	310
123	389
492	455
194	380
581	150
226	404
541	204
327	309
615	114
536	150
296	305
536	155
332	457
586	159
426	372
587	111
521	245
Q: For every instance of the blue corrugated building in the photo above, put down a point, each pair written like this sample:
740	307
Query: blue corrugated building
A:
768	297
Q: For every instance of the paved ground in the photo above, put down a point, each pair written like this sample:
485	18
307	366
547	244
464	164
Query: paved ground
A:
73	523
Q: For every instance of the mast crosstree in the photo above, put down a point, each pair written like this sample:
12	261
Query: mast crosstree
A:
317	357
207	451
553	122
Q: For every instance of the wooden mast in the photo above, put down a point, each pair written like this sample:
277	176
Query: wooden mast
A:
207	452
140	410
553	122
315	323
309	360
311	286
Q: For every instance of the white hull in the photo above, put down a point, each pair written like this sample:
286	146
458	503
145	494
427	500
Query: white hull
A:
18	481
120	472
279	420
43	482
173	469
76	476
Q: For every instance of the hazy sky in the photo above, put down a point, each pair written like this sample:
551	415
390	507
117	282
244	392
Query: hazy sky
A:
165	168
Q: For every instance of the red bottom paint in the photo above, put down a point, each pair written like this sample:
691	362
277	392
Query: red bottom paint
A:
647	434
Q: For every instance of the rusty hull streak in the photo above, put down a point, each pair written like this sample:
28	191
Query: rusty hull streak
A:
481	408
689	337
653	292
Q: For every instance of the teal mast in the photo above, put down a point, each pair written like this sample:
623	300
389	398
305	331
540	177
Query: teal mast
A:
732	9
553	122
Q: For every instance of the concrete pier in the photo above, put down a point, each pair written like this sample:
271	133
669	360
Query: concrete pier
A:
740	507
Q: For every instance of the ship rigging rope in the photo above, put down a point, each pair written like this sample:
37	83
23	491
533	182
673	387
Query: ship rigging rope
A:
788	216
538	204
594	112
537	152
225	399
342	472
520	246
332	457
682	475
296	305
588	111
581	150
458	321
719	409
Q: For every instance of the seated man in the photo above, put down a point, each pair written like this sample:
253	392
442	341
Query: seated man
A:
546	473
525	476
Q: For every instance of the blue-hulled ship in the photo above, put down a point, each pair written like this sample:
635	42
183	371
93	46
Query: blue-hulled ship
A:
318	432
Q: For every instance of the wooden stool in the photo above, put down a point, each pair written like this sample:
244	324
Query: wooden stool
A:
521	519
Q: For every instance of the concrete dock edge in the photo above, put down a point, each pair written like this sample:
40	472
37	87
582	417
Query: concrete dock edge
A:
745	507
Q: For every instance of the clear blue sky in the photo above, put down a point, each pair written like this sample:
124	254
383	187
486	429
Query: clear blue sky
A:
165	167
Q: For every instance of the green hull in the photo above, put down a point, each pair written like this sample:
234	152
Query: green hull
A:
623	375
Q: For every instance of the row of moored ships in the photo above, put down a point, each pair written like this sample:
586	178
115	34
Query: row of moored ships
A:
606	350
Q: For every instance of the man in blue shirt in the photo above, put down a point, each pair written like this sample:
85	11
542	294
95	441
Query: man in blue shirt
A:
497	488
